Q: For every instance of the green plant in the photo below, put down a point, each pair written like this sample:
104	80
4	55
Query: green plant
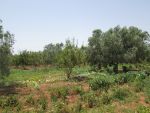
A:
101	83
139	85
11	101
143	109
147	89
106	99
121	94
90	99
43	102
30	100
76	90
60	92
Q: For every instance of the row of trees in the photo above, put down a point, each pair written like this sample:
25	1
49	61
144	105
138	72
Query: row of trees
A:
118	45
115	46
65	56
110	48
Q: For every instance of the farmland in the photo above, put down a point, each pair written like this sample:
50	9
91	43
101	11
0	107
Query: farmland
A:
109	74
47	90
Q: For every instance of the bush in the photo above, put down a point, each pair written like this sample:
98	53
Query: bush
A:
121	94
129	77
121	79
101	83
90	99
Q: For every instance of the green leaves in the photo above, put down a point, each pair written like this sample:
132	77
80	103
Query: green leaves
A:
118	45
70	56
6	42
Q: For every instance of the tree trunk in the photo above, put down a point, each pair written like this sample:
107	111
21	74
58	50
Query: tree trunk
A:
115	68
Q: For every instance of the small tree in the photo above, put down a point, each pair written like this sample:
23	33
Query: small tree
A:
68	57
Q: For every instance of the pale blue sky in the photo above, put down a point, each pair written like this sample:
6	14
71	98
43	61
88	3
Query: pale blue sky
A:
36	23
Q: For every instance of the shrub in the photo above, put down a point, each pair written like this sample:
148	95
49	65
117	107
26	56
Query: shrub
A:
121	79
121	94
101	83
129	77
90	99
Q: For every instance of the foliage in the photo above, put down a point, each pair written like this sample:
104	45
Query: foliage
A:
11	101
26	58
70	56
147	88
90	99
101	82
121	94
118	45
6	42
106	99
143	109
43	102
60	92
51	52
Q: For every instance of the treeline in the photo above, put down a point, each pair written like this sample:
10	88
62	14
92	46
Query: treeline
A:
118	45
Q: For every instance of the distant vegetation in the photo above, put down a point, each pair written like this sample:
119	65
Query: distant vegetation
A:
105	49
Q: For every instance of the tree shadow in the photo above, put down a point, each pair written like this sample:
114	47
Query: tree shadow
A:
8	90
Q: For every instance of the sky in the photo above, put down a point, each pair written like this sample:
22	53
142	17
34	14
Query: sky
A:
36	23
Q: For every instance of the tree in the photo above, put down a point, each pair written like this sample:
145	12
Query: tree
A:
118	45
68	58
6	42
95	46
26	58
112	49
51	51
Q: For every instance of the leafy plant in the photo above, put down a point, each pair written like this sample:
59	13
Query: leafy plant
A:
121	94
101	83
43	102
90	99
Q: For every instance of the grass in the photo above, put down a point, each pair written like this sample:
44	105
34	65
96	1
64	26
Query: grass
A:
46	90
19	76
